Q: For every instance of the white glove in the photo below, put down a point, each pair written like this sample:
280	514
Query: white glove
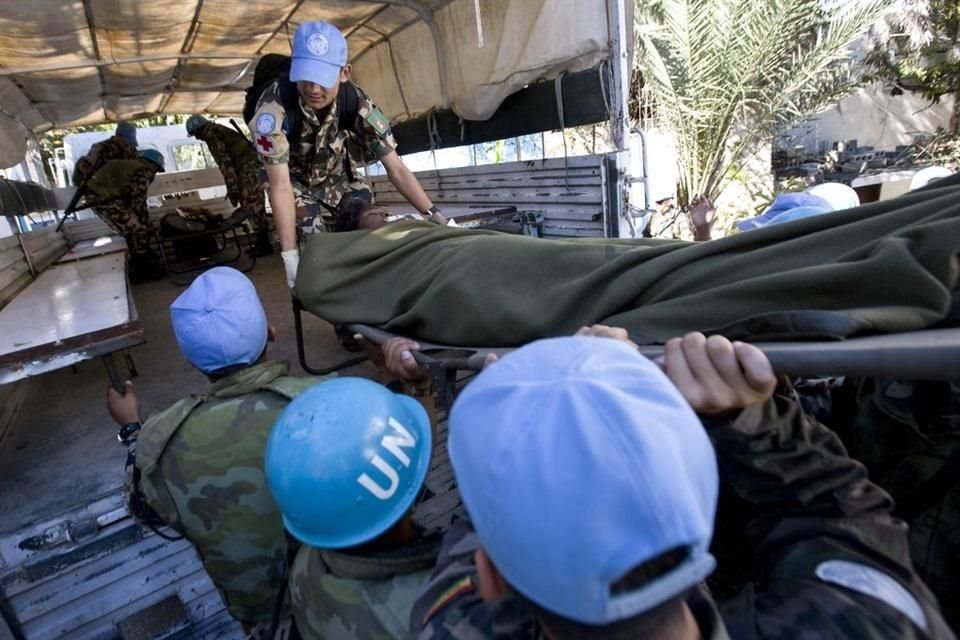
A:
291	260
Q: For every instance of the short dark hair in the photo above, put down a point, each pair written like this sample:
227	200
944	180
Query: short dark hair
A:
646	624
347	216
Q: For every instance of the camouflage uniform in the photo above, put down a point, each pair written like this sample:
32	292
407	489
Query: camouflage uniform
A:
201	470
828	559
337	594
118	194
908	434
113	148
326	165
239	165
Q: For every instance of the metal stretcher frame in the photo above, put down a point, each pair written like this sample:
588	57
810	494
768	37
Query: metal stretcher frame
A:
68	350
932	354
176	268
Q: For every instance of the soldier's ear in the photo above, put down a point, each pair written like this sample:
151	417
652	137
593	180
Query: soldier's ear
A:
345	72
271	333
491	584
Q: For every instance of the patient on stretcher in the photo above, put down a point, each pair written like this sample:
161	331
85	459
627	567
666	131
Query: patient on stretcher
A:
360	214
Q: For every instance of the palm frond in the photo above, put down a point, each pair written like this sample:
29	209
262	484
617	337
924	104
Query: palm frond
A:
727	75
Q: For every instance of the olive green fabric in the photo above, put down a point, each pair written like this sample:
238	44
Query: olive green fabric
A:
884	267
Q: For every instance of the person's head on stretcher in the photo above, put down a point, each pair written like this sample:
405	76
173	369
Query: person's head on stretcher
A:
358	213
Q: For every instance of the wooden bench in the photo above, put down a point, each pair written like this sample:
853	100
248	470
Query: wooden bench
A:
569	194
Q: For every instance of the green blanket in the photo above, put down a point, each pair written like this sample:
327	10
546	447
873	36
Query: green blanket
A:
884	267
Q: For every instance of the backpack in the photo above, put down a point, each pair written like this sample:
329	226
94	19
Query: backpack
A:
276	66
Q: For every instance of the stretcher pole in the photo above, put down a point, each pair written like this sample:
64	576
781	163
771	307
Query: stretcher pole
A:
932	354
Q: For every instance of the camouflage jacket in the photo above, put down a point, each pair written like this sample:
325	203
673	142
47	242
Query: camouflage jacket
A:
364	597
828	560
201	466
127	179
113	148
233	154
327	162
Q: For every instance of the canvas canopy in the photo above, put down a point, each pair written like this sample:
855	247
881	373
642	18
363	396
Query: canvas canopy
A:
89	61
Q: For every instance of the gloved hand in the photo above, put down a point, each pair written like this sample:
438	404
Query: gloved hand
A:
291	260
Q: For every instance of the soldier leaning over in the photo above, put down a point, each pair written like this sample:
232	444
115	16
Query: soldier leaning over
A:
122	145
117	192
199	464
239	165
324	164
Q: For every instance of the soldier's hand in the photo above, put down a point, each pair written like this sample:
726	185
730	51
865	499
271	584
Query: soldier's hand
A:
702	212
398	356
603	331
715	375
125	408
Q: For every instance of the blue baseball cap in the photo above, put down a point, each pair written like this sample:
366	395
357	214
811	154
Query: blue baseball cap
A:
319	52
798	213
577	461
781	204
219	321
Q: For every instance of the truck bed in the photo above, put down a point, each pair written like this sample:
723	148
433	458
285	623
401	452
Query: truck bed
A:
63	574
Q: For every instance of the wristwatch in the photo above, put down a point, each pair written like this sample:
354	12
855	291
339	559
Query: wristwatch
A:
434	210
128	431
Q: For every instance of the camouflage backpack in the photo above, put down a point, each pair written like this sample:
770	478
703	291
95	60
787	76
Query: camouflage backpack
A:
162	427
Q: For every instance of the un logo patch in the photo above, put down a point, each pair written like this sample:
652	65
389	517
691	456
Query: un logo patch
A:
266	123
318	44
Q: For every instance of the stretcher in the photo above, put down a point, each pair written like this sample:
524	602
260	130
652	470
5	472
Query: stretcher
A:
932	354
227	251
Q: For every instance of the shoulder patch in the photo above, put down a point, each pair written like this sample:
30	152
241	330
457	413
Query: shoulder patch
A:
266	123
378	120
876	584
457	589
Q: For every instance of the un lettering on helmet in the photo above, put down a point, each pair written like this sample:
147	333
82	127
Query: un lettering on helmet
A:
395	444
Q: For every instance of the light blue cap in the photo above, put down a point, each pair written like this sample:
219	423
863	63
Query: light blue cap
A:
798	213
345	461
319	52
219	321
578	461
782	203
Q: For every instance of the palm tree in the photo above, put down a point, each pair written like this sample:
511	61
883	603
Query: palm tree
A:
725	76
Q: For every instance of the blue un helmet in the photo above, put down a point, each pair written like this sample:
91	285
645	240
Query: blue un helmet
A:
346	460
195	123
153	156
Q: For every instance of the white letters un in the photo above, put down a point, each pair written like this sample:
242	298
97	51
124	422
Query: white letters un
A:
395	444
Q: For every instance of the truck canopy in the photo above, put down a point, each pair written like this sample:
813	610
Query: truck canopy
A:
97	61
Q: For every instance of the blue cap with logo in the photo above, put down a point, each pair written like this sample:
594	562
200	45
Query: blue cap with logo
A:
578	461
319	52
219	321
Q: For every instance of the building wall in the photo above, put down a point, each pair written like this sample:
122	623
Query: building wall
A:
873	118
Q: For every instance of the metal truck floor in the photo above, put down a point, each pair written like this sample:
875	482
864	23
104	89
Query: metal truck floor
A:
62	451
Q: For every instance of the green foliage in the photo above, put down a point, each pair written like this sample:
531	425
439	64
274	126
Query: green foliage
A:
725	76
918	49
